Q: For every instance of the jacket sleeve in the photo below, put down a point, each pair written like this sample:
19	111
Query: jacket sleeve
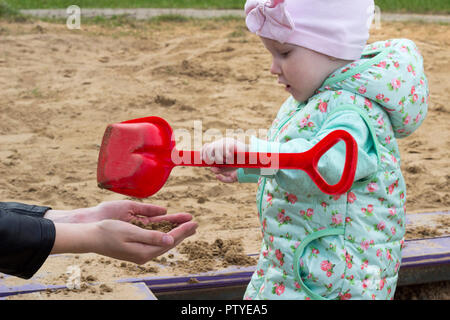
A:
246	176
26	209
26	239
332	163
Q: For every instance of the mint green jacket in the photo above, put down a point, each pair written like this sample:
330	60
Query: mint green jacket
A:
317	246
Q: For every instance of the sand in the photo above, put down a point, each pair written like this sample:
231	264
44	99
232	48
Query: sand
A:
60	88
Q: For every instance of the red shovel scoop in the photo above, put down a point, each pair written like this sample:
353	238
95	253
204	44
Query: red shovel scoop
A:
137	156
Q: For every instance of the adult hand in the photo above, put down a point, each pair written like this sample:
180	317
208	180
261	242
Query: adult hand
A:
124	241
105	229
124	210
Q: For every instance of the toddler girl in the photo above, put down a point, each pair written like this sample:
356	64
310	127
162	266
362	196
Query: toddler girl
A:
317	246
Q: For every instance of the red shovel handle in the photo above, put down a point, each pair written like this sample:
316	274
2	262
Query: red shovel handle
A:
307	161
313	156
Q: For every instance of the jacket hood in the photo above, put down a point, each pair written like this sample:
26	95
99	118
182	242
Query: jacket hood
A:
391	74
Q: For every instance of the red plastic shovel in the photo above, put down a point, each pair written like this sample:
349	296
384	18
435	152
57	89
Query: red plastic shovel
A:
137	156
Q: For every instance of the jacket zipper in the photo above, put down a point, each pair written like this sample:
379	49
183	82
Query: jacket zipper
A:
264	181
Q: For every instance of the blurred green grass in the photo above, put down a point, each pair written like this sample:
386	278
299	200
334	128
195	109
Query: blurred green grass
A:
201	4
411	6
415	6
9	9
11	14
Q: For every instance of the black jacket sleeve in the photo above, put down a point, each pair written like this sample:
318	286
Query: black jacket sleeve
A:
26	238
26	209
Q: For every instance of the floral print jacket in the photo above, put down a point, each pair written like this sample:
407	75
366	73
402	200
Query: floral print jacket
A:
317	246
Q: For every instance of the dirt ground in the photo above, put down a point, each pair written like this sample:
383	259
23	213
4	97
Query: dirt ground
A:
61	87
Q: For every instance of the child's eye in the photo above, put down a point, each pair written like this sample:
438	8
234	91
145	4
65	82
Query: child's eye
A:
285	54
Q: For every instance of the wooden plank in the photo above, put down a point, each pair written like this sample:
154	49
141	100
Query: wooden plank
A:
114	291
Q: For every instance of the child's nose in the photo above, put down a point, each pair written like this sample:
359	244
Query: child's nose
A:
275	68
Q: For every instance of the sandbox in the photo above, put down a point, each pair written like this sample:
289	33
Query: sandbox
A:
60	88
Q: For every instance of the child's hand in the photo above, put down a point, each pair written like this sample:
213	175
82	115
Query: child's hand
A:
227	175
222	152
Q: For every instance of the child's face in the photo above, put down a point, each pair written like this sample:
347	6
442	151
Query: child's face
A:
301	70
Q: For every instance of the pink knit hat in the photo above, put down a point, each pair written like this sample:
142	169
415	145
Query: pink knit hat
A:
338	28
